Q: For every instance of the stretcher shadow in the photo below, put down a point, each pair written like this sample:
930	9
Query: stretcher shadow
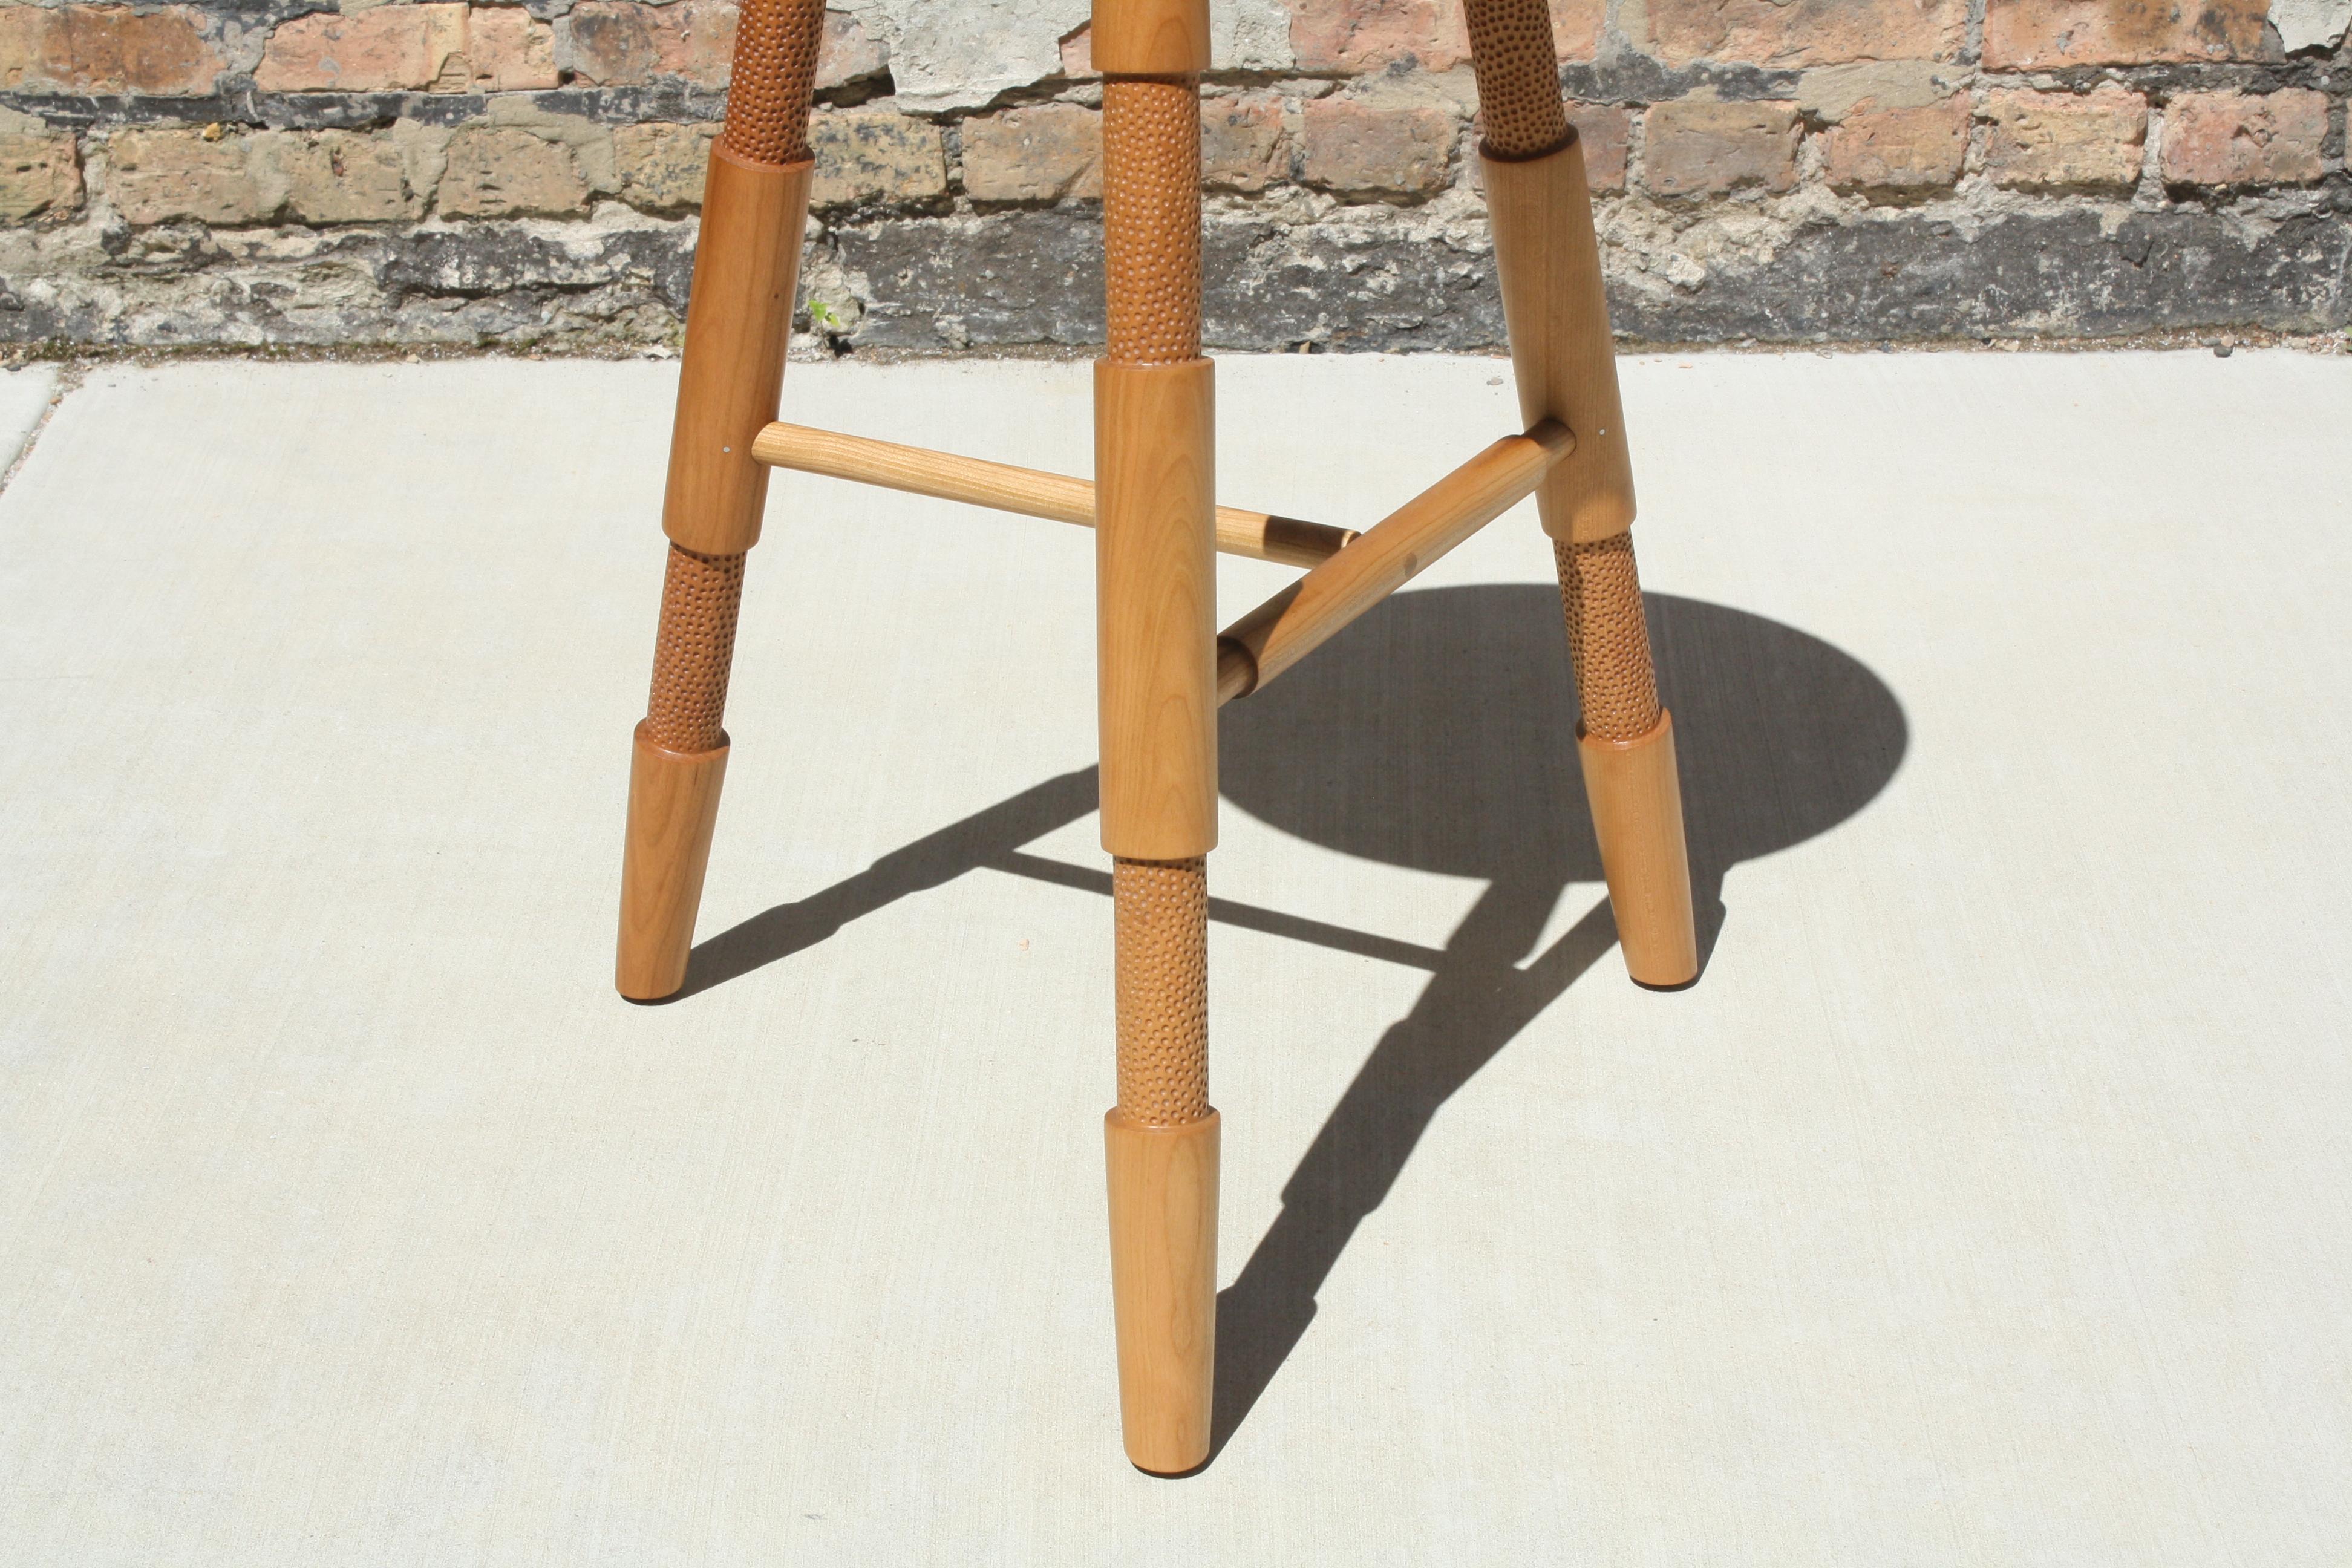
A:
1437	733
1432	734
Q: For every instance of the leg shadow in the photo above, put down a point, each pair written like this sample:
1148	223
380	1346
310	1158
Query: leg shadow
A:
1476	1002
1437	732
931	861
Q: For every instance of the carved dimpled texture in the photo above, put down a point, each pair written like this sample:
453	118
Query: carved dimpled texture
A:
1151	219
1608	637
1160	916
693	649
1518	77
775	73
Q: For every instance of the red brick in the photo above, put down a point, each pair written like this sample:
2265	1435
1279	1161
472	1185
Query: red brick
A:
1360	148
509	51
388	49
1576	28
1241	142
2040	34
1898	151
2065	140
620	43
1606	132
1807	32
2239	139
1367	35
1039	154
1710	148
106	48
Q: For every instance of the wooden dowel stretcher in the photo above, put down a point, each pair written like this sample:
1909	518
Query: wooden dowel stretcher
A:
1028	491
1295	622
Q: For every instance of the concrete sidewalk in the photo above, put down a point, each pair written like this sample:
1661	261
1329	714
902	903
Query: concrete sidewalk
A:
1988	1201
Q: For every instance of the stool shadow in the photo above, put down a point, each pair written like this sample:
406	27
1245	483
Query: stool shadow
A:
1437	733
1434	733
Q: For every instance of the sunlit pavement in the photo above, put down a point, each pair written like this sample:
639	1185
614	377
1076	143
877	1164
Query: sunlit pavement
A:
1987	1200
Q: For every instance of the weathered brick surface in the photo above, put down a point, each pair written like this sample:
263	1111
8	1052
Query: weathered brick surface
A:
617	43
661	167
1242	146
874	155
510	50
849	53
1040	154
1807	32
428	169
155	176
1361	149
39	175
390	47
1576	28
342	176
1607	134
1711	148
500	172
2063	140
2042	34
106	48
2240	139
1370	34
1897	152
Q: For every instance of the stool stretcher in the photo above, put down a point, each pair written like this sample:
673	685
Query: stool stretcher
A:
1029	492
1311	611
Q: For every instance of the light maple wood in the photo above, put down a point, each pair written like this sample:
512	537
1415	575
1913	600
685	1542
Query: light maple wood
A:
672	807
1155	607
1637	815
1548	261
1164	1276
1031	492
731	372
1150	37
1302	617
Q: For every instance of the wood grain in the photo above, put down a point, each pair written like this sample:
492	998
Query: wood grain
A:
1637	814
1302	617
1548	264
1031	492
1150	37
1156	603
673	808
731	372
1163	1281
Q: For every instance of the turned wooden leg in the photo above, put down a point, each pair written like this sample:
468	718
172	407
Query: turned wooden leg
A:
1549	263
1155	606
731	374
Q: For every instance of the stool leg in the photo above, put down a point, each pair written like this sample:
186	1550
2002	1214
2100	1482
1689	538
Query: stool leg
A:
1155	606
1549	263
739	319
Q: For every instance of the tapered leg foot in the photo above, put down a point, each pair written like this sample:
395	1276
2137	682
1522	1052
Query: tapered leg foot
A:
1163	1281
673	809
1626	743
1162	1143
1637	815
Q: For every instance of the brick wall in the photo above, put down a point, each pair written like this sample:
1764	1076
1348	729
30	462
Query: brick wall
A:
251	170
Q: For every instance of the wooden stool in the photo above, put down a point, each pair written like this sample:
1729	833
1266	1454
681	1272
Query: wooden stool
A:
1164	669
